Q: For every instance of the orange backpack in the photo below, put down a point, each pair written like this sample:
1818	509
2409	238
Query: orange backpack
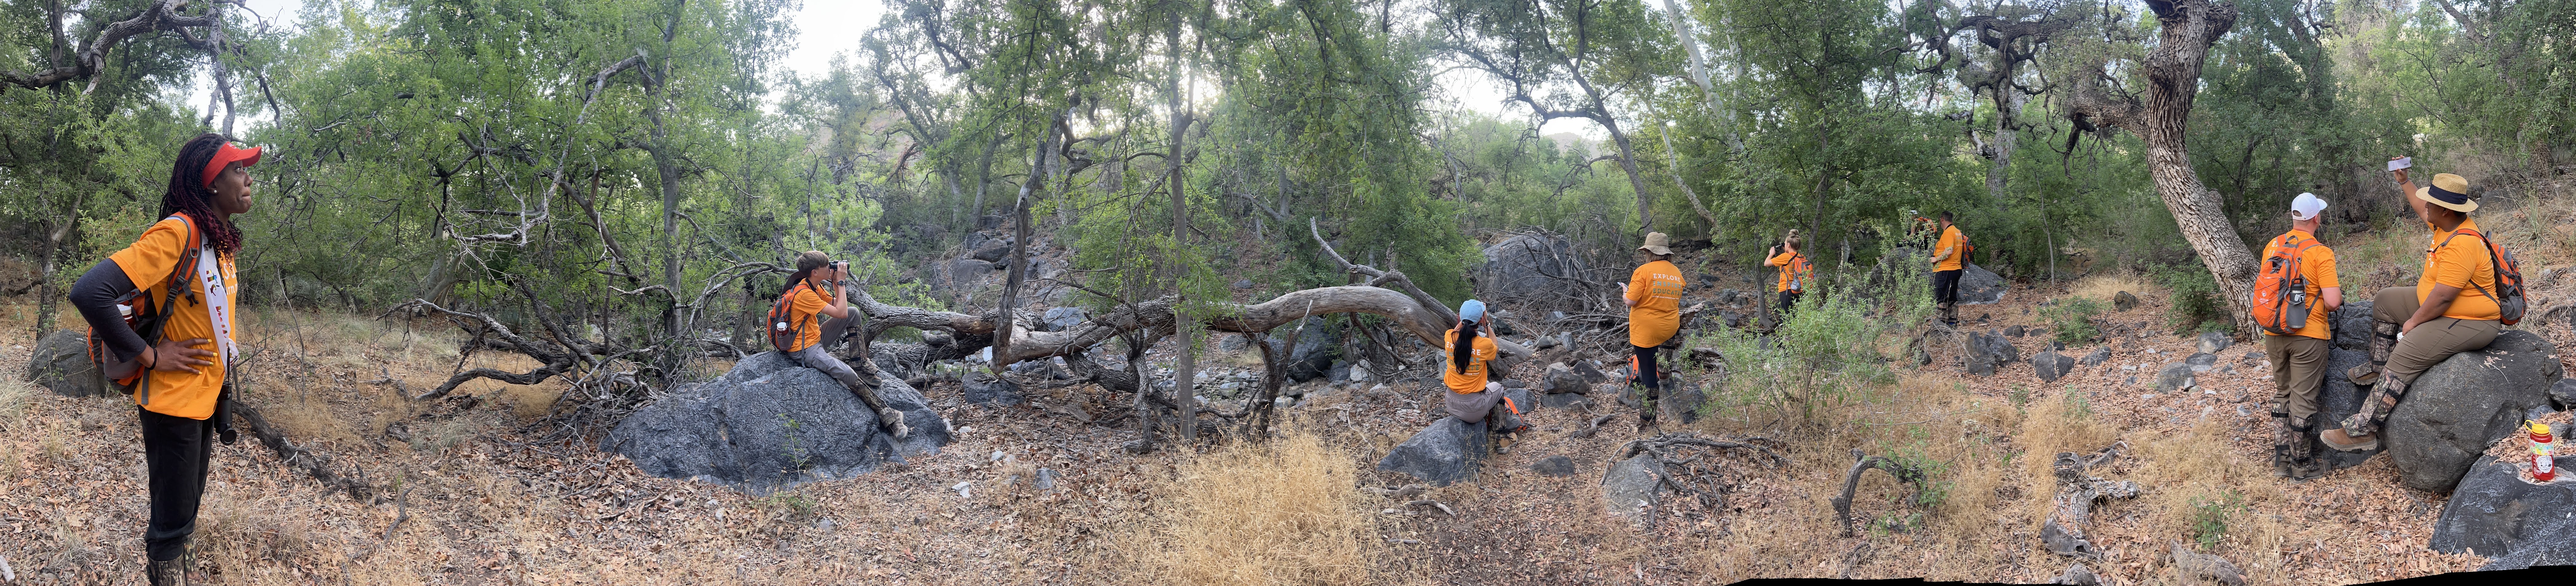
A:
782	329
2508	275
2280	298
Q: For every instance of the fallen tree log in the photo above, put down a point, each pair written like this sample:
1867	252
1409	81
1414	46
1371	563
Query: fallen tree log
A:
974	333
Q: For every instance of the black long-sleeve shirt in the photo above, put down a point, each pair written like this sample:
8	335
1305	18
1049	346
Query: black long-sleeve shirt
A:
95	296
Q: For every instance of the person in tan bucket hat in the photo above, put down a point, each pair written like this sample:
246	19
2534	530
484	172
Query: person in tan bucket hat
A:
2448	311
1654	296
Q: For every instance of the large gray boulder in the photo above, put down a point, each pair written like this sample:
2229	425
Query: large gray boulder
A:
2352	325
2563	393
2515	524
2452	411
2173	377
61	364
2339	399
771	424
986	389
1520	267
1311	354
1978	286
1065	318
1446	452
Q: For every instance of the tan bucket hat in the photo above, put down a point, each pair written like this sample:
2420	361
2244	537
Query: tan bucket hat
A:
1658	243
2449	191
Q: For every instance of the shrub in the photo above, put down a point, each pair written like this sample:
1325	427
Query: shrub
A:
2195	299
2072	319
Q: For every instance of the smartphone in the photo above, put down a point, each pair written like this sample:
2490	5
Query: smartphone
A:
2401	163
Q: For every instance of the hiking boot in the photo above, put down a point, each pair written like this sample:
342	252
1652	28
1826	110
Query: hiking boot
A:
2283	435
166	573
2383	340
2304	464
894	423
2340	439
1503	443
1645	420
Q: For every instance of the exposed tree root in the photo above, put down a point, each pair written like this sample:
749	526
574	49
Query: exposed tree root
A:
2077	492
1862	462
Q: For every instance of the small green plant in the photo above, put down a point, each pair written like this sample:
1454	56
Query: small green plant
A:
2195	300
2209	518
795	446
2077	406
2020	397
2071	319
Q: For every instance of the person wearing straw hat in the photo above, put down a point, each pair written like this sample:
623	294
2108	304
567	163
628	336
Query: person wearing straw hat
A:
1472	396
2448	311
2298	356
1654	296
1949	259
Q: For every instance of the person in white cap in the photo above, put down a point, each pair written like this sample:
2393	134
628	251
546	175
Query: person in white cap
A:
2294	290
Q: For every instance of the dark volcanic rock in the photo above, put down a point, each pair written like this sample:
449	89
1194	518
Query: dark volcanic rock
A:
61	364
1554	466
1564	400
1521	266
2123	301
2201	359
2212	342
2173	377
1446	452
736	430
2338	400
2096	357
2563	394
2051	365
2453	410
1987	351
2352	325
1978	286
986	389
1064	318
2016	331
1632	485
2515	524
1312	354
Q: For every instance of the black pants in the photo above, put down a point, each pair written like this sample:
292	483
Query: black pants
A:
1945	286
1788	304
175	450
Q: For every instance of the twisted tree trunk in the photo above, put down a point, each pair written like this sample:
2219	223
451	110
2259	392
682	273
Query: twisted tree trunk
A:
2173	74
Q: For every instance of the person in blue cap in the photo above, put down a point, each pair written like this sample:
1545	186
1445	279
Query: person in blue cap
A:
1472	397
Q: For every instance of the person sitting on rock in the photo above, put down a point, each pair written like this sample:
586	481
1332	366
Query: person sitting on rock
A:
2299	356
802	336
1654	296
2448	311
1471	397
1949	258
1795	271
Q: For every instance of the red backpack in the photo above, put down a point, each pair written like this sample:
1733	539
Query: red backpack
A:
2280	298
2508	275
147	319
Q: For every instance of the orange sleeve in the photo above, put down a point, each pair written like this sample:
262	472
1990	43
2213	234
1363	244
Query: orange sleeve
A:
2457	263
1780	260
150	259
1639	284
2320	267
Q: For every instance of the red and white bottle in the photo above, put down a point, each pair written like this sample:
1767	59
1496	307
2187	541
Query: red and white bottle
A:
2541	466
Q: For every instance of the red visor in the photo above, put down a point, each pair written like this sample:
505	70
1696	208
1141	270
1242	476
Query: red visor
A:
229	152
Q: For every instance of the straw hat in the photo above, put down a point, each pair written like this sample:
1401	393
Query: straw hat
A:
2449	191
1658	243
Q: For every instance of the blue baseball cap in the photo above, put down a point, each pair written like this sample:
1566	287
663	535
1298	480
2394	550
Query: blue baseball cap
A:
1472	310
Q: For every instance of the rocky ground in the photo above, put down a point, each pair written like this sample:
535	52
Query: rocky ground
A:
473	496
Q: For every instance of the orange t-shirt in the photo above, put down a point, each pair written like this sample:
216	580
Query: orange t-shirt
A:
1657	289
1473	380
1949	244
2462	262
2318	265
1794	271
148	263
805	313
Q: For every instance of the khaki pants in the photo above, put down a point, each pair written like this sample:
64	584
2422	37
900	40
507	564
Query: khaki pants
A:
2432	341
1481	406
2298	373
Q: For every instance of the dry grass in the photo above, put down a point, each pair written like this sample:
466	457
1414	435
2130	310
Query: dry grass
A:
2102	286
1286	513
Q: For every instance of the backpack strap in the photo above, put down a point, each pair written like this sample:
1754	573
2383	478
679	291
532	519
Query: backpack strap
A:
150	325
2494	265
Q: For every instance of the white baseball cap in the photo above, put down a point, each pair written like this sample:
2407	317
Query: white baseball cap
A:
2306	207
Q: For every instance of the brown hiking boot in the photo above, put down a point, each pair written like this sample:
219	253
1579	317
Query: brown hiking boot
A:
2342	440
893	420
2283	435
1503	443
166	573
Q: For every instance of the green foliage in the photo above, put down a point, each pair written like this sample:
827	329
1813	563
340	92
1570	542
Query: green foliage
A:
2071	319
2209	518
2195	305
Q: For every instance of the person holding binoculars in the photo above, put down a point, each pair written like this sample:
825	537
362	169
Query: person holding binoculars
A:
813	312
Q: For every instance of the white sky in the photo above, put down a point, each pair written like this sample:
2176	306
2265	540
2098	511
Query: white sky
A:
826	27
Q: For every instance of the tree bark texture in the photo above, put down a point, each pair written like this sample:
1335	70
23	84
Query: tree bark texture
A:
2190	27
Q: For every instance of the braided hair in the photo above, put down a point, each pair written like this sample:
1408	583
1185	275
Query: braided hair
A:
189	194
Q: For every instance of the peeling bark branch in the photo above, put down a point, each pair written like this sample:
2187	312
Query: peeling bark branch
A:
161	16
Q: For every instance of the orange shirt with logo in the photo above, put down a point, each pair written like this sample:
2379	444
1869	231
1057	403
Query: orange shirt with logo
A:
1480	352
1657	289
2318	266
2462	263
148	263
